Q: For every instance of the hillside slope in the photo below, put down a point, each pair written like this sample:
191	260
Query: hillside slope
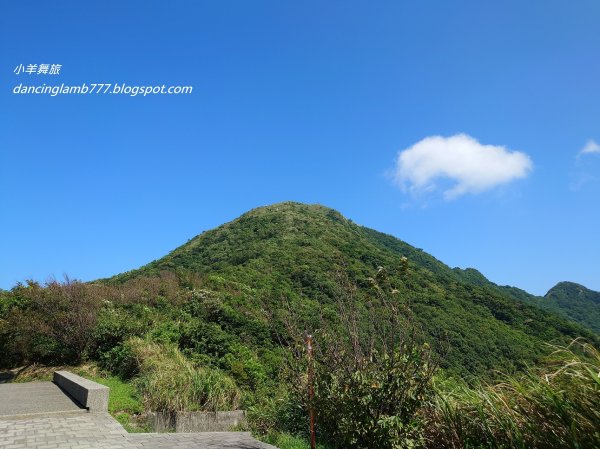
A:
294	256
568	299
575	302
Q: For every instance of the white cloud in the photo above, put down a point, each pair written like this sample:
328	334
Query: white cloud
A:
471	166
590	147
583	169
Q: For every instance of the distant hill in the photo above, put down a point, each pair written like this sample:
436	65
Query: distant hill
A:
575	302
568	299
292	254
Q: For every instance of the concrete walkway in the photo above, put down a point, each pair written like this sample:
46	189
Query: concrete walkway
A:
38	415
34	397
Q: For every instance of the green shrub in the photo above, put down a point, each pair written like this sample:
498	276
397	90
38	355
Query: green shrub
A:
372	377
245	367
375	402
277	410
204	341
114	328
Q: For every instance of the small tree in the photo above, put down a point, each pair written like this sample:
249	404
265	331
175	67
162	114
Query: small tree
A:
372	371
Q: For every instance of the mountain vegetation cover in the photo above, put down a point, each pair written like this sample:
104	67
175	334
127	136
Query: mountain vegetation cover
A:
575	302
229	309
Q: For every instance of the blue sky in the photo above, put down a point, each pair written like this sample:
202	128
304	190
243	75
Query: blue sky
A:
306	101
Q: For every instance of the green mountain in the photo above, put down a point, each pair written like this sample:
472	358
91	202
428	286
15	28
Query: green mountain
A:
575	302
213	325
293	256
568	299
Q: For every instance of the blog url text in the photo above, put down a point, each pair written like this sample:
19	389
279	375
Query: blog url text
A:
100	89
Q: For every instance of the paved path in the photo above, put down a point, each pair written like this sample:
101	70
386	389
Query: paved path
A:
38	415
34	397
77	430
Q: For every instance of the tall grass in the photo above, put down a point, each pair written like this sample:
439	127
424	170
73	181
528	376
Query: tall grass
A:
557	406
169	382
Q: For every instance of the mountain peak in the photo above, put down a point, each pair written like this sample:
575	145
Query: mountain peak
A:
575	302
293	207
570	289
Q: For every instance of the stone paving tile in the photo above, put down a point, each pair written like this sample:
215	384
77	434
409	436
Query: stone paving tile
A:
101	431
62	431
205	440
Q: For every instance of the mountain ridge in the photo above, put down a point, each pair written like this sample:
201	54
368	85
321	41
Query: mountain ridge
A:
471	274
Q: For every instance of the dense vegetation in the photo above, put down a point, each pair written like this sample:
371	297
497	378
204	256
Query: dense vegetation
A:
292	255
575	302
568	299
227	309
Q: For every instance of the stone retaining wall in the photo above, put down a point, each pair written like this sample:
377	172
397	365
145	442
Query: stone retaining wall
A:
185	422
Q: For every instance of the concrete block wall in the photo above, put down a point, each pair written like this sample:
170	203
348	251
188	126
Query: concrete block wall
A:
89	394
186	422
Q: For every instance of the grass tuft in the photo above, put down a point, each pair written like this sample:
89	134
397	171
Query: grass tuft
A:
169	382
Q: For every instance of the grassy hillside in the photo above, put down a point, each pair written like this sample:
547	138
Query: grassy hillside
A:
294	255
